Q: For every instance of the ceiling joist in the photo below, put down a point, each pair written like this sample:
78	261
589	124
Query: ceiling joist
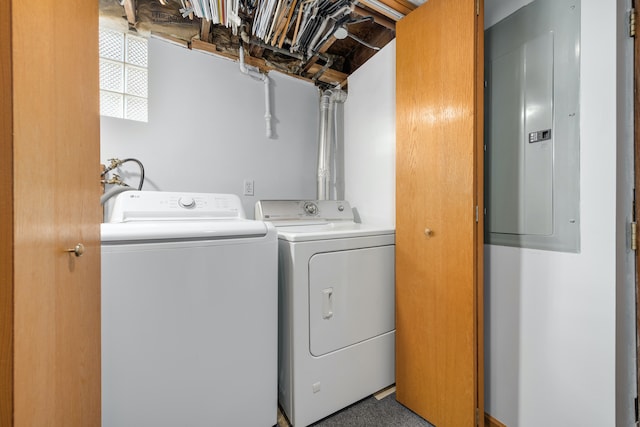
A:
395	12
322	49
316	56
329	76
205	29
377	17
402	6
130	10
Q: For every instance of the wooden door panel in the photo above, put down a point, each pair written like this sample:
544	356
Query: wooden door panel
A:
56	205
436	232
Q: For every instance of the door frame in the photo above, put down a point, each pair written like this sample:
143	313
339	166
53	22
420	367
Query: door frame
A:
482	417
636	205
6	217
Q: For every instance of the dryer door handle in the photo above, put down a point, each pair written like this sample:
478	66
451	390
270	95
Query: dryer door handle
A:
327	303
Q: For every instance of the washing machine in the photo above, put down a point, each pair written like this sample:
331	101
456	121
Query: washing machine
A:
189	313
336	307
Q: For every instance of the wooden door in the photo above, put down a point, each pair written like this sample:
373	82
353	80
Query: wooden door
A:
439	82
50	333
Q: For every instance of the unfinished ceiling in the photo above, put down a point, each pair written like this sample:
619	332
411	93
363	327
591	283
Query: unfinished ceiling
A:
319	40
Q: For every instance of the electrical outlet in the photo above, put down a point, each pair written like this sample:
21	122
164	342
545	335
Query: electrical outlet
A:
248	187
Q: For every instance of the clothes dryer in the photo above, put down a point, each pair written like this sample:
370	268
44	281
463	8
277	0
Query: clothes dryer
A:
336	307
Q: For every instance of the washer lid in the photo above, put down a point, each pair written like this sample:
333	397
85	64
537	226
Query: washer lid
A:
182	230
159	215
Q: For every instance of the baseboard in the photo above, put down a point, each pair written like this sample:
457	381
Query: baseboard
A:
385	392
489	421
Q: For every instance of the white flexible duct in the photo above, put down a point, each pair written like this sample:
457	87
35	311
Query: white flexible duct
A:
325	135
256	75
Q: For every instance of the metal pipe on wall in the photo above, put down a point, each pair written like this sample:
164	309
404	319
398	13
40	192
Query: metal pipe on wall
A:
264	78
326	133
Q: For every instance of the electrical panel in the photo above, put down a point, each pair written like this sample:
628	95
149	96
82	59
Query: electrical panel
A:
532	69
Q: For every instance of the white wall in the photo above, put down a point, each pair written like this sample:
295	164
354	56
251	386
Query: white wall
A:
550	317
206	130
370	139
497	10
625	290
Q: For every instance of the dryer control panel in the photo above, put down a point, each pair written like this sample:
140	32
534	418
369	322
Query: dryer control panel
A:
303	210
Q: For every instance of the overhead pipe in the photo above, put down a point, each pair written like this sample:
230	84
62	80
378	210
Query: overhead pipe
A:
362	42
328	60
328	100
339	30
256	75
313	45
257	42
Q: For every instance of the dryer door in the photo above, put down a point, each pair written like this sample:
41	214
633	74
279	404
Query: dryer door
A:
351	297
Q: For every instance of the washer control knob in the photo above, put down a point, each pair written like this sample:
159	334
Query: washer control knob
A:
187	202
311	208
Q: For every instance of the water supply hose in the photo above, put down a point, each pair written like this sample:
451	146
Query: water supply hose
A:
141	182
114	192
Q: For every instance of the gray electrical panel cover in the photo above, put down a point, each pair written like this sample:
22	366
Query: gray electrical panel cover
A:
532	70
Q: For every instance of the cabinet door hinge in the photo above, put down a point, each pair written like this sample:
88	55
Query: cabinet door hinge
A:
477	416
476	213
477	7
634	236
632	22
